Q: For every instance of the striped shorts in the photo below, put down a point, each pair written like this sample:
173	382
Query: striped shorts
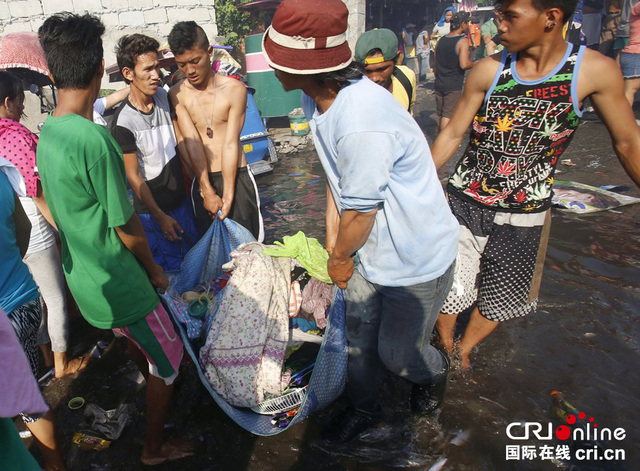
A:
158	340
25	321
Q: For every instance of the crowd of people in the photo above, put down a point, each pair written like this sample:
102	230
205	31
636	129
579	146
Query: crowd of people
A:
115	254
409	255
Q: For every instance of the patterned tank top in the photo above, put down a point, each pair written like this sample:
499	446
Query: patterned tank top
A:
518	136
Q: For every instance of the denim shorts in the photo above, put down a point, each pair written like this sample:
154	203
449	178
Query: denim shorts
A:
630	65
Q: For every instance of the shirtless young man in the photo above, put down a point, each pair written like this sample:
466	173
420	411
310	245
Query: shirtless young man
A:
525	105
211	109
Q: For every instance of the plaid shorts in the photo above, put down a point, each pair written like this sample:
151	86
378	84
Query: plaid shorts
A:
158	340
500	261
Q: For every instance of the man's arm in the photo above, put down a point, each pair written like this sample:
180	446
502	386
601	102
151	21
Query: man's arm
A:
23	226
600	78
489	45
182	147
435	60
463	54
133	237
170	227
43	206
475	87
237	97
332	219
195	150
353	232
116	97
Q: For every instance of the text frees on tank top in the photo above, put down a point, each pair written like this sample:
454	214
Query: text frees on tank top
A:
518	136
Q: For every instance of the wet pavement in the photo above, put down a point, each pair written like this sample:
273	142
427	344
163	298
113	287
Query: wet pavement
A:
584	341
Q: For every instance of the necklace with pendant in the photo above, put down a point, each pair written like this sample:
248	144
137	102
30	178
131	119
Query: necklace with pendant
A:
210	122
145	116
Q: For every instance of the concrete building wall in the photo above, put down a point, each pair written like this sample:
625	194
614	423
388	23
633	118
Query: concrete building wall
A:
152	17
357	17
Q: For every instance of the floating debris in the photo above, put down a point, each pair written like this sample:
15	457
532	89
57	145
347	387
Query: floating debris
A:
493	402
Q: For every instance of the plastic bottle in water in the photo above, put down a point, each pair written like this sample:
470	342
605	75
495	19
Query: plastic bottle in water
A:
560	408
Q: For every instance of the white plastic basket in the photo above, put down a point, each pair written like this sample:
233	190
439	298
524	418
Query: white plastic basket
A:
289	400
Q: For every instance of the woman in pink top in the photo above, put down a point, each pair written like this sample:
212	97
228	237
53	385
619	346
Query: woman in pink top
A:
18	146
630	56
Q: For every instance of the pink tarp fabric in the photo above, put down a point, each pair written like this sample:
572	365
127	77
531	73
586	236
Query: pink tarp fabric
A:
468	5
22	51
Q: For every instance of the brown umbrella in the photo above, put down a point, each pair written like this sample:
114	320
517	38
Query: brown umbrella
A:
22	54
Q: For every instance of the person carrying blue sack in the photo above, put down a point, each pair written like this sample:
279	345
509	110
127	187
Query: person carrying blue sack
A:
385	204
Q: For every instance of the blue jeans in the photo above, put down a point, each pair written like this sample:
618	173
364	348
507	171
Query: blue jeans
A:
391	326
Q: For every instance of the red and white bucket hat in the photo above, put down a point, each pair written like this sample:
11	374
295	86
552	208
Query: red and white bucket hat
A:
308	37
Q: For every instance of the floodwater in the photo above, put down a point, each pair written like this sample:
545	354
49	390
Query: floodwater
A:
584	341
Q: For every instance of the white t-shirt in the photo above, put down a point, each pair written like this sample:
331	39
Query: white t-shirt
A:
422	44
42	236
442	30
99	107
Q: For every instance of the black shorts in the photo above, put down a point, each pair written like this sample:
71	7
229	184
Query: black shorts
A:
245	209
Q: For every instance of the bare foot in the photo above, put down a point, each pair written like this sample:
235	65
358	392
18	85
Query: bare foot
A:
174	449
465	362
47	354
446	345
66	368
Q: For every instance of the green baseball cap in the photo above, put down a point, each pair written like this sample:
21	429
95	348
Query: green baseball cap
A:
383	39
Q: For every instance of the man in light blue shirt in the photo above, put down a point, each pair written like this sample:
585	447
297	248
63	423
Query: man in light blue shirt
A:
385	204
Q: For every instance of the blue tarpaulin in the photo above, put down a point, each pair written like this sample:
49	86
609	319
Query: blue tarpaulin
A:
204	262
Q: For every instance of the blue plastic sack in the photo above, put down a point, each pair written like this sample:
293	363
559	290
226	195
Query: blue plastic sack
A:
204	262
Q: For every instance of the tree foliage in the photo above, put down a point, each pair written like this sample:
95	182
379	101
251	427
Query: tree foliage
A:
232	23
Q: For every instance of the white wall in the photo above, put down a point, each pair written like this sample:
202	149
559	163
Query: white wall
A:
357	17
154	18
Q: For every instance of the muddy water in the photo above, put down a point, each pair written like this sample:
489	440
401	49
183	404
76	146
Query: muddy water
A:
583	340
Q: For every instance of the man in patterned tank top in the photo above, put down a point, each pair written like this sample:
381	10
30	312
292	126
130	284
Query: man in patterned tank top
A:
524	105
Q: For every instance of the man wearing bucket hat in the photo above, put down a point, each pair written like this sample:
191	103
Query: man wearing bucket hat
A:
376	52
390	235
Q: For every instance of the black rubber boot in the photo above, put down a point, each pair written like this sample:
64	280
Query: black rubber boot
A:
348	426
426	398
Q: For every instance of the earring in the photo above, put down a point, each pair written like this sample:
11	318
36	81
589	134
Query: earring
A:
550	26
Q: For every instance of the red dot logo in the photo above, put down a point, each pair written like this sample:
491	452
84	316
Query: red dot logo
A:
590	419
582	415
563	432
571	419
